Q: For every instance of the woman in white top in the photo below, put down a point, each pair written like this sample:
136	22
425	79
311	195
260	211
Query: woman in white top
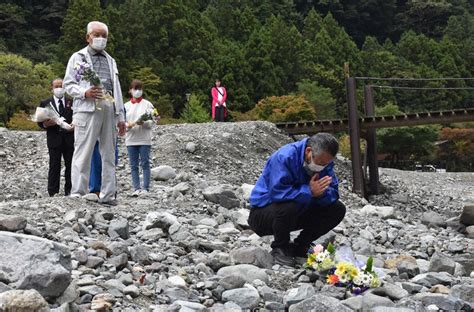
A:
138	136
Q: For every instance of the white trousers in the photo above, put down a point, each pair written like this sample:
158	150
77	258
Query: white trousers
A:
88	128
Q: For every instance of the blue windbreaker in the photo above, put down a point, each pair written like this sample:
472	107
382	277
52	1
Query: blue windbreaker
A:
284	179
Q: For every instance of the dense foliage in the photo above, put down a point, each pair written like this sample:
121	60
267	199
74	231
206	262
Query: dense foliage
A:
279	59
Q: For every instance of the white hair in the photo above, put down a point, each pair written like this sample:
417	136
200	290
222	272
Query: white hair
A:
98	24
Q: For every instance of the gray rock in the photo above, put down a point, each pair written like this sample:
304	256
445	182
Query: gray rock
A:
222	195
208	222
433	278
232	281
470	231
121	227
246	298
187	306
217	260
411	269
392	309
367	301
247	271
179	233
246	190
441	263
119	261
179	293
241	217
94	262
23	301
274	306
319	303
335	292
455	247
269	294
163	173
252	255
467	215
464	292
140	254
132	290
385	212
35	263
444	302
392	291
152	234
114	284
190	147
182	187
4	287
157	219
296	295
412	287
12	223
431	218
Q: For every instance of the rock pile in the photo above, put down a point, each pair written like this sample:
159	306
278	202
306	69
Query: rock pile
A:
186	245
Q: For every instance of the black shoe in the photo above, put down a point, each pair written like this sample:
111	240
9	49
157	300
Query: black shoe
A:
282	257
296	250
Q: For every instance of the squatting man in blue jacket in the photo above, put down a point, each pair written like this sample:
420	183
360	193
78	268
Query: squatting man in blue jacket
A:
297	190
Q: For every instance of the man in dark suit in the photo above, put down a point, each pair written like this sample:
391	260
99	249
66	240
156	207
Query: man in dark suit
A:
60	141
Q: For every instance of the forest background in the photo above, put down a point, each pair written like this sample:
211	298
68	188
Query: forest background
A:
280	60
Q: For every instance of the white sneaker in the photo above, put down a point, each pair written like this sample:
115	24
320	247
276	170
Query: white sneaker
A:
75	195
144	192
136	193
91	197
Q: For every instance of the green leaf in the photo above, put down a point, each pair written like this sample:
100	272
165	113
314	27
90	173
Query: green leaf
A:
331	248
369	265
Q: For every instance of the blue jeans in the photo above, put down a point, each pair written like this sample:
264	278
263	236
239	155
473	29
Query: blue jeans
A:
95	179
142	152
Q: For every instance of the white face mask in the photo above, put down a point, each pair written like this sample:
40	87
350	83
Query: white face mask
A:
99	43
136	93
312	167
58	92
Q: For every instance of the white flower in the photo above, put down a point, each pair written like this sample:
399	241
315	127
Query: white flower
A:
320	257
344	278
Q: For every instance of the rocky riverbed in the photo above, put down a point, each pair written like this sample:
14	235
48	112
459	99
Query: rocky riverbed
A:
186	245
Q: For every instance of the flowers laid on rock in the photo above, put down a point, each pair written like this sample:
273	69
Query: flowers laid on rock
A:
342	269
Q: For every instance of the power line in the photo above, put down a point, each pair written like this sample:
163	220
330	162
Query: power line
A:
422	88
411	79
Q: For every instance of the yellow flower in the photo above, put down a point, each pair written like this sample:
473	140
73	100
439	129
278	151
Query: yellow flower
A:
343	268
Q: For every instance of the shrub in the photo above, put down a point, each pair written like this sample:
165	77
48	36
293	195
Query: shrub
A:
194	112
284	108
21	121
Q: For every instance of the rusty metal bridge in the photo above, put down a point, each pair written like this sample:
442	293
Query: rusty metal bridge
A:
365	126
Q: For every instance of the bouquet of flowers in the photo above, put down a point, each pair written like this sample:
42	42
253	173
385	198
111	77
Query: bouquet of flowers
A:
84	71
148	115
347	272
321	259
45	113
355	279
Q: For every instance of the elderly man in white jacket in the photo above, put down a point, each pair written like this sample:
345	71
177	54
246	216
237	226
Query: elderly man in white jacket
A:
95	122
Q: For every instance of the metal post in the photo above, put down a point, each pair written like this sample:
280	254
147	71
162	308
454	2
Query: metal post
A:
371	142
354	133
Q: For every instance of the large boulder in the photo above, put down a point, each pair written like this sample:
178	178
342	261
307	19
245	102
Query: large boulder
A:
319	303
23	301
432	219
163	173
441	263
30	262
12	223
252	255
222	195
467	216
247	271
385	212
246	298
158	219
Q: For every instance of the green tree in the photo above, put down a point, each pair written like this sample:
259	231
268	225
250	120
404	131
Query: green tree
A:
320	97
22	84
74	28
194	112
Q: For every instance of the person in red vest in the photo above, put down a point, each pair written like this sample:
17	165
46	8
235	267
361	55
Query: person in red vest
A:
219	107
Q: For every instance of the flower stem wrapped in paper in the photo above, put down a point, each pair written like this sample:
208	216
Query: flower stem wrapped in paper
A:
45	113
84	71
149	115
